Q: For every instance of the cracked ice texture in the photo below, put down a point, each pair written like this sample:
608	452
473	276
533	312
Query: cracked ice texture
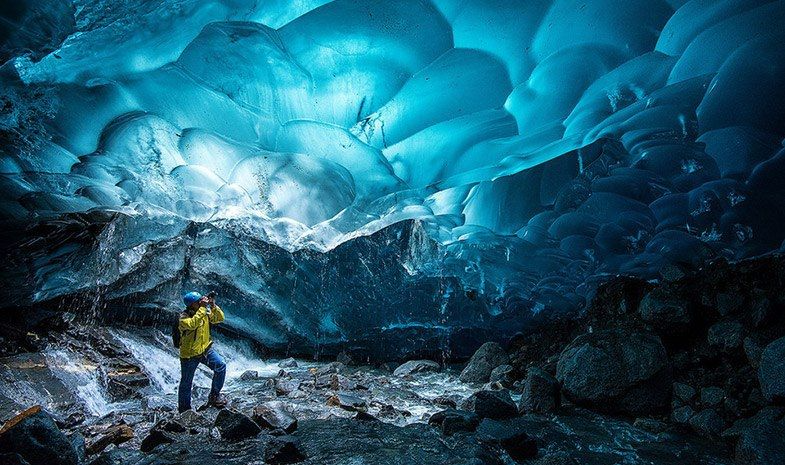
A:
557	139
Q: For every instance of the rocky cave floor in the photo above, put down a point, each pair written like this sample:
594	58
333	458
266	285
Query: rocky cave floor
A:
686	370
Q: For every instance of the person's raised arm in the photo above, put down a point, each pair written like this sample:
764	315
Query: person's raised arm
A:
216	315
195	321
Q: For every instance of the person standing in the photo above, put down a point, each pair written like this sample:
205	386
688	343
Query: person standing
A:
196	346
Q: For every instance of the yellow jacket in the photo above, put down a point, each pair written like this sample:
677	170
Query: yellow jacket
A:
195	331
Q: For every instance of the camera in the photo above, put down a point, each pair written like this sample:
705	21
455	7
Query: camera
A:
211	295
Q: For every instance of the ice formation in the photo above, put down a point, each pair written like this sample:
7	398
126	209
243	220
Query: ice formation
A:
538	144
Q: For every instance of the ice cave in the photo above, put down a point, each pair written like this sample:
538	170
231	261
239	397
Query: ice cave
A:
441	231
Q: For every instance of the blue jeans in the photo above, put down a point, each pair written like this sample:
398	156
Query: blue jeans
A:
188	368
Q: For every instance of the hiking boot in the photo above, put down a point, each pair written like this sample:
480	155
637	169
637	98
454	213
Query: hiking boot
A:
218	401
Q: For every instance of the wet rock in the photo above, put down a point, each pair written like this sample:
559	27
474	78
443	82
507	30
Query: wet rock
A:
510	436
502	376
282	450
340	441
726	335
555	458
335	382
489	356
155	438
683	392
274	415
416	366
288	363
707	423
126	382
650	424
284	387
540	392
663	310
234	426
771	372
34	436
344	358
491	404
333	367
729	303
761	309
78	442
444	401
682	414
347	401
712	396
765	415
451	421
365	416
192	419
249	375
116	435
616	371
753	350
763	444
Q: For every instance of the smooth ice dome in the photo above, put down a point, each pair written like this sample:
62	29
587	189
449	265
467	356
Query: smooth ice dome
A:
540	144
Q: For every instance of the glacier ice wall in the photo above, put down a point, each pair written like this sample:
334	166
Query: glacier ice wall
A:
543	143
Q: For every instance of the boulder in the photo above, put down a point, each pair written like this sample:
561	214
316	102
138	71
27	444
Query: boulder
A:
729	303
540	392
34	436
249	375
683	392
284	387
763	444
753	350
274	415
347	402
491	404
765	415
664	311
616	371
288	363
125	382
771	371
682	414
116	435
451	421
707	423
234	426
282	450
155	438
416	366
712	396
509	435
726	335
489	356
502	376
192	419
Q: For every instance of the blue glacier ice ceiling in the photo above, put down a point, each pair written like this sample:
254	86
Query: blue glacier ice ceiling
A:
525	149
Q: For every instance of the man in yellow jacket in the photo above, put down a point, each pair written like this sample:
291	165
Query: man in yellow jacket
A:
196	347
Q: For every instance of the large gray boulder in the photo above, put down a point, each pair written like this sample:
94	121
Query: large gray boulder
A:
763	444
489	356
540	392
771	372
35	437
616	371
